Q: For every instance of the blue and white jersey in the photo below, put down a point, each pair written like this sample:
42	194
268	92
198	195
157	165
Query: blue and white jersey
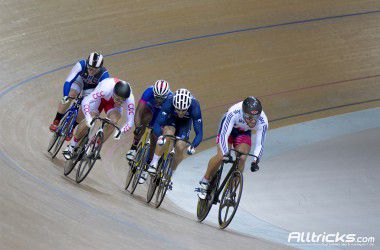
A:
148	98
193	113
234	119
89	82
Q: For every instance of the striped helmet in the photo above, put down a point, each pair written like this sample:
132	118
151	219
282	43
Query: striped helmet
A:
161	89
182	99
95	60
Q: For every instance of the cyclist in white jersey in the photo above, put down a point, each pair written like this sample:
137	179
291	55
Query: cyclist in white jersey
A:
110	95
235	130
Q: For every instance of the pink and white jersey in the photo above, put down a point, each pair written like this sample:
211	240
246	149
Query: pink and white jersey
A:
102	96
234	119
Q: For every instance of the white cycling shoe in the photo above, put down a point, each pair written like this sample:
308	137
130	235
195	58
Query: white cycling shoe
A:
143	177
131	155
202	190
152	169
68	152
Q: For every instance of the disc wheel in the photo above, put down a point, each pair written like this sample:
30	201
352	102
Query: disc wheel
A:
204	205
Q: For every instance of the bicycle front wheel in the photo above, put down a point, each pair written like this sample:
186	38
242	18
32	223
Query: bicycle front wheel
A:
139	166
58	138
91	154
132	168
165	176
230	199
153	183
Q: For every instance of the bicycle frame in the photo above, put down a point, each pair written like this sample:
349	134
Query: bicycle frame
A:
235	165
173	140
73	111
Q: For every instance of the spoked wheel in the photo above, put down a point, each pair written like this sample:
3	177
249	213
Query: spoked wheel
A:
230	199
140	166
204	206
153	183
165	175
91	154
70	164
58	138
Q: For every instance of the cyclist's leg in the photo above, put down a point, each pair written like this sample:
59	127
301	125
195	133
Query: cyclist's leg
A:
216	160
114	115
146	118
183	129
75	89
213	164
160	149
95	109
242	142
80	116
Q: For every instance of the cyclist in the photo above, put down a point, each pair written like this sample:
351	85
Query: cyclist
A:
175	118
84	77
110	95
146	113
235	130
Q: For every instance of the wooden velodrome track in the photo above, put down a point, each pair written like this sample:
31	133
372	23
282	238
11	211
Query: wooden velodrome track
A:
305	59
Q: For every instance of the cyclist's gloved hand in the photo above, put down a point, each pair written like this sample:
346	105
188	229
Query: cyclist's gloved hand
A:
227	158
117	135
65	100
138	130
255	165
88	123
161	140
190	150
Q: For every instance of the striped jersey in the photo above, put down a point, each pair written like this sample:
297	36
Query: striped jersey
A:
234	119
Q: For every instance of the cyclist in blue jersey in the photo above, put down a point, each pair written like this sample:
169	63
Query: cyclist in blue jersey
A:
84	77
176	116
146	113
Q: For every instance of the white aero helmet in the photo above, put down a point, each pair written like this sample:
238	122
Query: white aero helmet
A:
182	99
161	88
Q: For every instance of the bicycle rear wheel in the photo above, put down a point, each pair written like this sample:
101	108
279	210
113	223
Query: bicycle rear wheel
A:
165	177
140	167
230	199
70	164
59	137
86	163
204	206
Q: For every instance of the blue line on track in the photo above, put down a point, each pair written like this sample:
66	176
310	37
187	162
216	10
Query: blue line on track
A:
263	27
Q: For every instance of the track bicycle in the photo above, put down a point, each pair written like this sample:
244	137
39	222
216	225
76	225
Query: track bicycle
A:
65	127
139	163
88	150
231	189
161	181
